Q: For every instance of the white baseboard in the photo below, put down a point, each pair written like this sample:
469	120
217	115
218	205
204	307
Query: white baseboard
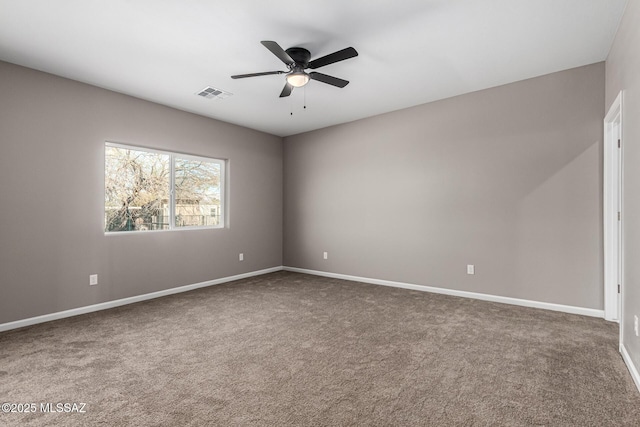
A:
124	301
485	297
630	365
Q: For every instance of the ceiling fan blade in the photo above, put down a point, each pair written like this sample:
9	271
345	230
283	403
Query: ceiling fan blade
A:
286	91
334	81
340	55
278	51
266	73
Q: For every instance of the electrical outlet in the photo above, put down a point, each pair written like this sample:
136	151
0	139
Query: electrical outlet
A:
326	255
241	257
635	324
93	279
471	269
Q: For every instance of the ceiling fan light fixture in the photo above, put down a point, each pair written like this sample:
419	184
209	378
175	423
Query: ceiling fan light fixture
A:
298	78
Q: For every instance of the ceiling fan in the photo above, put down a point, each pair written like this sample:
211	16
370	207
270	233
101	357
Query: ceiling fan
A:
297	59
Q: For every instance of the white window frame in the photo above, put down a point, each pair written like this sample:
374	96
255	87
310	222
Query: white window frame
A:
172	200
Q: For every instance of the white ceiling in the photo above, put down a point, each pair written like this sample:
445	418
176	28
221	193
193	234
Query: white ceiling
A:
410	51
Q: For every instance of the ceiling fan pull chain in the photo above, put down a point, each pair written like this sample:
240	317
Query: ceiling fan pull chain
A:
304	89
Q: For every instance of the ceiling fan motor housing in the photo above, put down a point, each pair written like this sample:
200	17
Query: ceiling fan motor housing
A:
300	55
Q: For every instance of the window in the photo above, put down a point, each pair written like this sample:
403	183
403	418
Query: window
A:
156	190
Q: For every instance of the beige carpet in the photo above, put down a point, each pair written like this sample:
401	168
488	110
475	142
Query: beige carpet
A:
291	349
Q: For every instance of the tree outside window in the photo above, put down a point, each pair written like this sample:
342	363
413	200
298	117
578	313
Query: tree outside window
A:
154	190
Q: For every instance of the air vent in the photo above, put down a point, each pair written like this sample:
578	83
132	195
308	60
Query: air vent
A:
213	93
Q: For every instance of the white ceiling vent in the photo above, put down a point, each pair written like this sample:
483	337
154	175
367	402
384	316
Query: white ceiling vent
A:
213	93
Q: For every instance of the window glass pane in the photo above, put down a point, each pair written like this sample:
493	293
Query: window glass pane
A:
136	190
197	193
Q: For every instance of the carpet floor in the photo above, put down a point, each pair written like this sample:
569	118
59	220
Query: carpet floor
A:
288	349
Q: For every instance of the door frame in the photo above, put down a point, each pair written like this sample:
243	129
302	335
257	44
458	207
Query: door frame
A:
612	206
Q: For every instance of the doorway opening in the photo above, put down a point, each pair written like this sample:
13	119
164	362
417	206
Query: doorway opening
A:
612	213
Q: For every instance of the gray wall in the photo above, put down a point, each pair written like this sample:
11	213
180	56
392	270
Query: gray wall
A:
508	179
52	132
623	73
